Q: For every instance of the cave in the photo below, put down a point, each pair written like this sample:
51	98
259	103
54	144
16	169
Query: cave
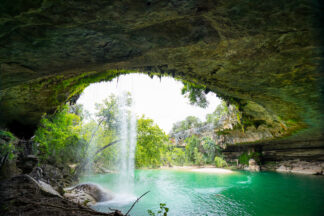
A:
266	57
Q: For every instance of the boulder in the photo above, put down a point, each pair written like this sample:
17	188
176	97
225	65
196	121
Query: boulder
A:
282	168
252	162
253	166
88	194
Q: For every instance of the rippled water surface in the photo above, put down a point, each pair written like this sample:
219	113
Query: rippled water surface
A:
240	193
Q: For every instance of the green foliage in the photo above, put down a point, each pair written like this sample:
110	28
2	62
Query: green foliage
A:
191	143
59	138
178	156
174	156
107	113
245	157
189	122
220	110
7	147
220	162
163	211
196	94
198	157
104	131
151	144
201	151
256	156
209	147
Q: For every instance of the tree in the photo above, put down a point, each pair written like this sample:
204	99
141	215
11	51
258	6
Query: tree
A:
198	157
209	147
220	110
151	143
196	94
191	143
189	122
220	162
107	113
59	138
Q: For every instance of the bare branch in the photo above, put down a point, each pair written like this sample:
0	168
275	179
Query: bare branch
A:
136	202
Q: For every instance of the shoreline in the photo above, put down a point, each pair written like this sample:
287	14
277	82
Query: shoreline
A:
204	169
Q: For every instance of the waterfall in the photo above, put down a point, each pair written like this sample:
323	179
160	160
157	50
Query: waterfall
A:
127	135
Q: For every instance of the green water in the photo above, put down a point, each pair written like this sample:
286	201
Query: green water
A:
241	193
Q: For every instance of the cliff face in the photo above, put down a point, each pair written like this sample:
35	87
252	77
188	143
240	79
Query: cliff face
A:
275	153
264	55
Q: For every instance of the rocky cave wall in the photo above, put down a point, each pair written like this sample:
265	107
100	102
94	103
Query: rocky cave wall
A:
265	56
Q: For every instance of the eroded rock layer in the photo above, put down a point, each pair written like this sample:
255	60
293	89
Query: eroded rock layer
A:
264	55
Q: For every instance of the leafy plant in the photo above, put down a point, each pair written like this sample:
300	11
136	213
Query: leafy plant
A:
188	123
198	157
221	109
245	157
59	140
192	142
196	94
151	143
163	211
7	147
209	147
220	162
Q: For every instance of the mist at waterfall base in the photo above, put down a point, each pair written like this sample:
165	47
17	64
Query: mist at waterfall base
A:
124	167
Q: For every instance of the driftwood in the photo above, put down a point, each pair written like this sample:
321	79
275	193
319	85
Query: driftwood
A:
136	201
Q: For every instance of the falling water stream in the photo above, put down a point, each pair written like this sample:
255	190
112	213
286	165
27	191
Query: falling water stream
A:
127	136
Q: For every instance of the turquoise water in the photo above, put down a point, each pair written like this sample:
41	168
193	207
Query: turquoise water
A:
240	193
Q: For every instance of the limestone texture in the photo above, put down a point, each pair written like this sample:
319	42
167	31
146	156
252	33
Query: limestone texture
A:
264	56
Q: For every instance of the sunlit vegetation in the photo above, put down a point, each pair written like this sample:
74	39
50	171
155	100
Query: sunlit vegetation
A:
189	122
59	138
221	109
72	136
195	93
151	144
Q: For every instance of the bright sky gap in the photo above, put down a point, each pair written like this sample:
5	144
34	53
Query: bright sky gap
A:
159	99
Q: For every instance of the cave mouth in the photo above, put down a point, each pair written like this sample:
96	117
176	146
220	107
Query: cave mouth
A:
176	169
109	111
156	97
22	118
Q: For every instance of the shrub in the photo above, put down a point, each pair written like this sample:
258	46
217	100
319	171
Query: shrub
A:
7	147
220	162
245	157
199	157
